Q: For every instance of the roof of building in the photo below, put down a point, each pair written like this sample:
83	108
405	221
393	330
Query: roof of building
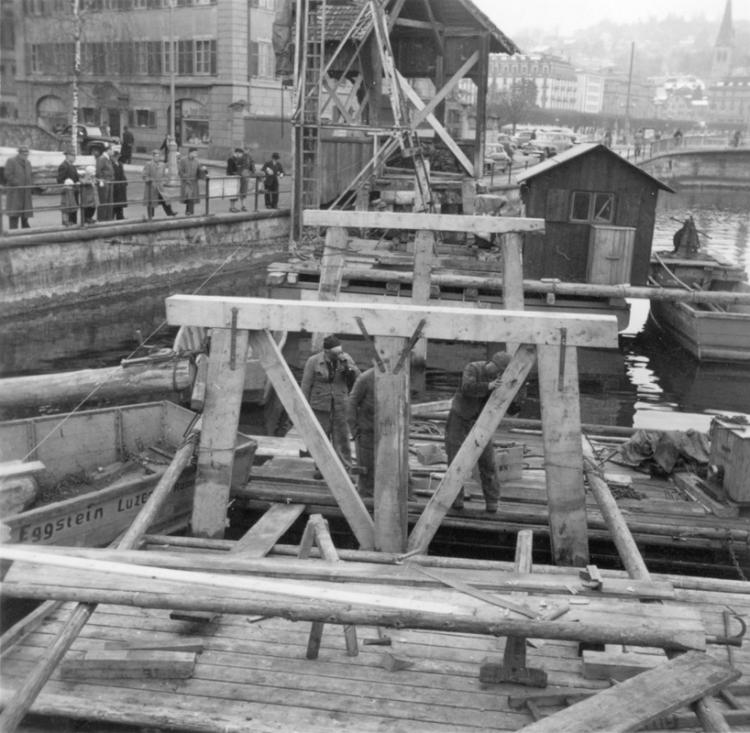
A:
576	152
726	30
341	15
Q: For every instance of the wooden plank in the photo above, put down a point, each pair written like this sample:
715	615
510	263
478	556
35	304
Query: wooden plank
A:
513	299
639	700
331	266
128	664
224	385
10	469
422	221
441	322
463	464
563	460
391	431
694	487
445	90
301	414
268	530
617	665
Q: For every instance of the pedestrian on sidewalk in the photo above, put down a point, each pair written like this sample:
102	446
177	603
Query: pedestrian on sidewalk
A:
18	179
89	196
67	175
128	143
119	186
272	170
235	165
154	173
105	175
191	172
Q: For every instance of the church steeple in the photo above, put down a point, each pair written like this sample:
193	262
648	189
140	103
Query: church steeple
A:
721	65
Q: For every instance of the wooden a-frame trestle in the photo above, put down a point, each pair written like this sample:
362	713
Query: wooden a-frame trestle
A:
550	341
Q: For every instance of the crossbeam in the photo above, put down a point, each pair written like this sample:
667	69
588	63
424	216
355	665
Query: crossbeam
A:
416	221
447	323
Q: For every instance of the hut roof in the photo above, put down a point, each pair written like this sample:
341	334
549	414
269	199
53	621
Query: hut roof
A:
576	152
341	14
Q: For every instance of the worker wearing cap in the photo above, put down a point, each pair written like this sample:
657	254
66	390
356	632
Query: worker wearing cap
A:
326	380
18	202
478	380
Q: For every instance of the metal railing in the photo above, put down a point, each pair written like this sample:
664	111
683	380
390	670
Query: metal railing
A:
214	192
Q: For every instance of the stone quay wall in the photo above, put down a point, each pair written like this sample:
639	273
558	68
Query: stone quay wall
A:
719	167
46	270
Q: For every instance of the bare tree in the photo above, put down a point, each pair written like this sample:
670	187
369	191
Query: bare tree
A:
512	105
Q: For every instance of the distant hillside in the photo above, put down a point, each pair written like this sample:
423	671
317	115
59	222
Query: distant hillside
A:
670	46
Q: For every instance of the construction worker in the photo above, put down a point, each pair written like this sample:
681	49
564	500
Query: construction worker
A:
361	419
478	380
326	380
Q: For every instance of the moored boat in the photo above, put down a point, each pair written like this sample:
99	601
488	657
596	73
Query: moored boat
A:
709	331
95	469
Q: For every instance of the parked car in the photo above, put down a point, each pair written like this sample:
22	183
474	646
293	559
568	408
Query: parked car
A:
508	144
495	155
91	139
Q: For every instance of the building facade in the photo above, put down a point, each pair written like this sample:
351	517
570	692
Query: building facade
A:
218	56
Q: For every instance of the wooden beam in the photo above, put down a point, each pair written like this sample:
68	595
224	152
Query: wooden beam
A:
634	703
424	252
422	25
98	664
442	133
224	384
441	322
416	221
512	247
445	90
331	266
391	447
463	464
268	530
563	460
301	414
437	28
481	104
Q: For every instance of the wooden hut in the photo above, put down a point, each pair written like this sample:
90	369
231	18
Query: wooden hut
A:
599	211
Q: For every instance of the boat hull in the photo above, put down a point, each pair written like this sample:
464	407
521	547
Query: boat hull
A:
707	335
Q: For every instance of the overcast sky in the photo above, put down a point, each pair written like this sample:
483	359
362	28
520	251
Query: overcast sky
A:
513	16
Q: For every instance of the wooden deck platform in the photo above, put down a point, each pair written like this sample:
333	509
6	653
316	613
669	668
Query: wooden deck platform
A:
251	672
664	513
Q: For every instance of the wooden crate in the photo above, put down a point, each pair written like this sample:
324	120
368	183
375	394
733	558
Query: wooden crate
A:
730	451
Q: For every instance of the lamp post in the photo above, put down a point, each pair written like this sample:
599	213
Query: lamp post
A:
172	141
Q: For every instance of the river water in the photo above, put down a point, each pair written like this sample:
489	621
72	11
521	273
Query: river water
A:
650	382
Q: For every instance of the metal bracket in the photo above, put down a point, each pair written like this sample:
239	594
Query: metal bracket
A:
561	368
233	341
368	338
409	346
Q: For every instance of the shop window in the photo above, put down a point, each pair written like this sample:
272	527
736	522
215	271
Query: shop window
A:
597	208
142	118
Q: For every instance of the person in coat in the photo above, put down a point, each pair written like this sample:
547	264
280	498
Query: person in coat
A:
18	199
119	185
67	176
478	380
326	380
191	172
89	194
105	175
361	419
272	171
154	173
235	167
128	143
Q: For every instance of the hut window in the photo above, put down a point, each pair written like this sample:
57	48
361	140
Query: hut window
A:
593	207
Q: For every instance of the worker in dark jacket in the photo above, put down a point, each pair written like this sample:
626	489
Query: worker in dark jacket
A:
478	380
361	419
326	380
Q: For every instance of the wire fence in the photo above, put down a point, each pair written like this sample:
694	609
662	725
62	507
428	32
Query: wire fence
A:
83	204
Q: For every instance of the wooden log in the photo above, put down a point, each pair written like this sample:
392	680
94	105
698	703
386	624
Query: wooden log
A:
462	465
302	416
543	287
15	711
561	435
639	700
441	322
110	383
